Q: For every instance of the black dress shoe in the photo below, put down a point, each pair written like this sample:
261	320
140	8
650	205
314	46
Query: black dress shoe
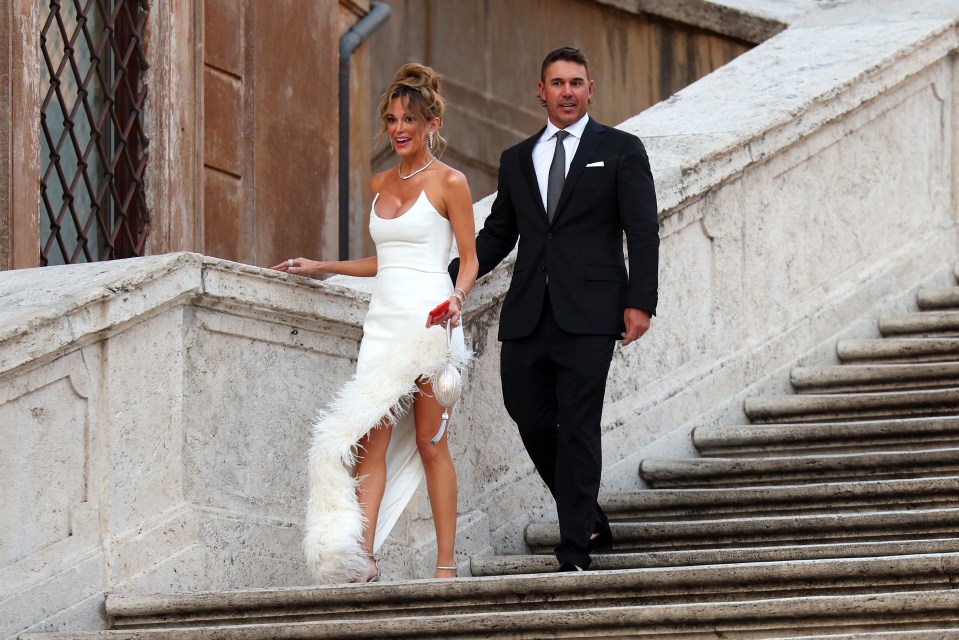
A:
603	543
568	566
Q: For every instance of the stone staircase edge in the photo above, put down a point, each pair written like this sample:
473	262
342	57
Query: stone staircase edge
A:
785	610
933	563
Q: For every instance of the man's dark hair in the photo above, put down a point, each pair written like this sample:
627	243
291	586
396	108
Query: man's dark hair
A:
568	54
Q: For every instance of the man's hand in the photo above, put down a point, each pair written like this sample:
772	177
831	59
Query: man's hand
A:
637	322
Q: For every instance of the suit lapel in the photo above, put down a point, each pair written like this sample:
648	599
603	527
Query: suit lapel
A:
592	137
529	172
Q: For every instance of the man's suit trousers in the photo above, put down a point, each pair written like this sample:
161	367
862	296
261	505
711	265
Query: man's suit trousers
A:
554	383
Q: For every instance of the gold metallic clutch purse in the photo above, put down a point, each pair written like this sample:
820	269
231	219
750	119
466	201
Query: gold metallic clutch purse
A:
447	385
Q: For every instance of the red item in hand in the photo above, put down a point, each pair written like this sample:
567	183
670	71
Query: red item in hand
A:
440	309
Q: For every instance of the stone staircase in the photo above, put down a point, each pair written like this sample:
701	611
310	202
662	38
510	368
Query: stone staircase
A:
834	514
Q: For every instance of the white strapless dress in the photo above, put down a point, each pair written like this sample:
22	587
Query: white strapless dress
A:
413	251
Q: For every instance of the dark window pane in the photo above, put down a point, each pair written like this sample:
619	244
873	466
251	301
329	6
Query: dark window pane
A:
92	205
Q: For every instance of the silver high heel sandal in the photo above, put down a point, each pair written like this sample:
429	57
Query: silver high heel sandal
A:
371	575
453	569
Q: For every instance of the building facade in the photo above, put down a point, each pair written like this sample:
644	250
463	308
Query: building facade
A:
142	127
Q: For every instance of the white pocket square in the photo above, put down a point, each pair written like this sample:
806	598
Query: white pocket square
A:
595	164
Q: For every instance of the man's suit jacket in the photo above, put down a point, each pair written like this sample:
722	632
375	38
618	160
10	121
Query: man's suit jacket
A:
608	190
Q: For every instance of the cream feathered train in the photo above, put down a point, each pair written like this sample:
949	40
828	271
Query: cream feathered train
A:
384	388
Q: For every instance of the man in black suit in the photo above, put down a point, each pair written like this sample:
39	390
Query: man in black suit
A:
568	194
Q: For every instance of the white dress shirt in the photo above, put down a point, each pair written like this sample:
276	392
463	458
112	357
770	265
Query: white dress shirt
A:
546	146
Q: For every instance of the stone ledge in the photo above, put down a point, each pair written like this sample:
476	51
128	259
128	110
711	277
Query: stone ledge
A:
826	497
923	323
873	611
749	21
942	634
546	563
696	141
876	377
50	311
678	584
717	472
870	435
886	525
852	406
945	298
897	350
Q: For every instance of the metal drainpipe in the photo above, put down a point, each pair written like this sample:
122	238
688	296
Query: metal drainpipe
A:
378	15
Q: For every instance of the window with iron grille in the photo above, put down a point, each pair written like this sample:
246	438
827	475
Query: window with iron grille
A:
93	154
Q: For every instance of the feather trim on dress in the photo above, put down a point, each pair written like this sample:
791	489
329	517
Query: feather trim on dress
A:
384	389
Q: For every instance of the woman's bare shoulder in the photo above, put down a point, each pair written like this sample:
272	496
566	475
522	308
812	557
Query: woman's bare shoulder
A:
451	178
377	181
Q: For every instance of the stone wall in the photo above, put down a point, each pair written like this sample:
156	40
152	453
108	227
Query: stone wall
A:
243	161
490	54
159	407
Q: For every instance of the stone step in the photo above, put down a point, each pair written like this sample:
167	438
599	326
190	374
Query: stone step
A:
944	298
892	525
922	323
544	562
893	350
875	377
828	497
554	592
806	438
784	617
934	634
852	406
789	470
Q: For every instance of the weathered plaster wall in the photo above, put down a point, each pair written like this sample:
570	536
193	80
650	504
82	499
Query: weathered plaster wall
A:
20	77
173	124
235	85
636	59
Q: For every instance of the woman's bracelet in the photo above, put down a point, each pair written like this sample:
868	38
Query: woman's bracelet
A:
459	295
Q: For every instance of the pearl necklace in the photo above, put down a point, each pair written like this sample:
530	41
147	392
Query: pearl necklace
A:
423	168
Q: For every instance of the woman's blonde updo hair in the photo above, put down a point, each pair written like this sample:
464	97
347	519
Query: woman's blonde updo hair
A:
419	87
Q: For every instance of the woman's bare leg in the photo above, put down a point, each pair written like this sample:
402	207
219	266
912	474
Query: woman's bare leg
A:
370	473
440	476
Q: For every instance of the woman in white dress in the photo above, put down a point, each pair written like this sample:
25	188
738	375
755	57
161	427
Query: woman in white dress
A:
372	443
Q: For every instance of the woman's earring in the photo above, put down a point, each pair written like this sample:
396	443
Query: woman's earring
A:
431	140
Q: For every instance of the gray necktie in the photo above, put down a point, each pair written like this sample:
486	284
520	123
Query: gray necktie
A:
556	176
